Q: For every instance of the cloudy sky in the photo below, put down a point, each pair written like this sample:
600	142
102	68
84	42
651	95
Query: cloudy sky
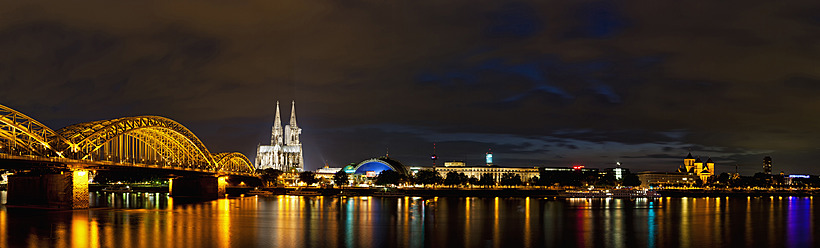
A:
540	83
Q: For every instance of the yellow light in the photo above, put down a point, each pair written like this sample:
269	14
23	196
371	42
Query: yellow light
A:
81	173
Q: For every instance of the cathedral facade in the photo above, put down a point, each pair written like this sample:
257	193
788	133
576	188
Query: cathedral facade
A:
285	150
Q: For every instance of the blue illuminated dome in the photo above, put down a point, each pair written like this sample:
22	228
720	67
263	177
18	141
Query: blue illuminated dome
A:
377	165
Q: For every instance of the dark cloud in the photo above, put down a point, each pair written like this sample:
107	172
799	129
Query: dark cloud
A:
538	82
664	156
599	20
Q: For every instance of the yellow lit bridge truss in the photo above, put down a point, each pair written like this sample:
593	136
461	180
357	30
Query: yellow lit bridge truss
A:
141	141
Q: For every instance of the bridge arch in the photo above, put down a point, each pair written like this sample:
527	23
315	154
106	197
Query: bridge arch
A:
156	138
233	162
19	133
165	141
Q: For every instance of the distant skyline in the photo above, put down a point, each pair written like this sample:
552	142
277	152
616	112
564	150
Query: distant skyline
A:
541	83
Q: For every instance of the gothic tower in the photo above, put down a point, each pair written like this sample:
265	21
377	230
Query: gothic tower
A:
292	131
293	157
276	133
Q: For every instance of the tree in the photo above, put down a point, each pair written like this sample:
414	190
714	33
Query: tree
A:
340	178
427	177
387	177
472	181
563	178
533	180
631	180
308	177
270	177
724	178
486	180
452	179
698	182
510	179
463	179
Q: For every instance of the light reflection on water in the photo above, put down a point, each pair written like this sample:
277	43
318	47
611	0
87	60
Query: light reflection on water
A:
156	220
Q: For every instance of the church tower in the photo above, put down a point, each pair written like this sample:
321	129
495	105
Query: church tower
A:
711	166
705	171
689	163
292	131
293	147
276	133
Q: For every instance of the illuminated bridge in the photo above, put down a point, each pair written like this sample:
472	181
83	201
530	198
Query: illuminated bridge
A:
151	143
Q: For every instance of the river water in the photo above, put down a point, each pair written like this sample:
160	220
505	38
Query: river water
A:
156	220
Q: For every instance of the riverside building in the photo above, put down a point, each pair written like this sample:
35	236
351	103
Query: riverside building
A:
767	165
478	171
651	178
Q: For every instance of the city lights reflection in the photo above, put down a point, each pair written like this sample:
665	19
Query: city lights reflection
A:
152	220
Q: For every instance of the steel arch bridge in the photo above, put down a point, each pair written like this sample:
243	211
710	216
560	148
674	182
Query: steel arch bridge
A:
140	141
22	134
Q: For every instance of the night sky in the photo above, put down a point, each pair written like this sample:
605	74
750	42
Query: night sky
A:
541	83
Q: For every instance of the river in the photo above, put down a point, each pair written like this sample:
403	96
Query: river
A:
156	220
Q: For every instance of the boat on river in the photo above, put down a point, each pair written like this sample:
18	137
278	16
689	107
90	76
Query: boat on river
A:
388	193
609	193
259	192
118	189
347	193
304	192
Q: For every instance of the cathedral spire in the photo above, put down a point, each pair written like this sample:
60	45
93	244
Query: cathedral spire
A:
293	114
292	131
276	134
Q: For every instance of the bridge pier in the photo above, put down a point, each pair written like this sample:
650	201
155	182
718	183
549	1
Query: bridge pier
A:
67	190
200	187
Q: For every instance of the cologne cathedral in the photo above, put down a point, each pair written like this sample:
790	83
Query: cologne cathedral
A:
285	150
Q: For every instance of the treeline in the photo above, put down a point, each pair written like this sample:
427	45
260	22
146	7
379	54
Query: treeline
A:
270	178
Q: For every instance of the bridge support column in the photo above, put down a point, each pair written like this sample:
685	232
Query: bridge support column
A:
67	190
200	187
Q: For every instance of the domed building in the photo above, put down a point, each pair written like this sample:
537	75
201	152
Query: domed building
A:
374	166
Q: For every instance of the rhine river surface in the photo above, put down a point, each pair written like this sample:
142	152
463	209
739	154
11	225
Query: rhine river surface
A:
155	220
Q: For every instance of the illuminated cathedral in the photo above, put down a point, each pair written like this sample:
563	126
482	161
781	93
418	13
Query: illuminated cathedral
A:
695	166
285	149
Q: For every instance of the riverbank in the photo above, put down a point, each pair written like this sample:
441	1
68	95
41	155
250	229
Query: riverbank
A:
421	192
735	193
489	192
528	192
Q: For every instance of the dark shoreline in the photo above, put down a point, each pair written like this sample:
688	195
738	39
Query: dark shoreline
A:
497	192
736	193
